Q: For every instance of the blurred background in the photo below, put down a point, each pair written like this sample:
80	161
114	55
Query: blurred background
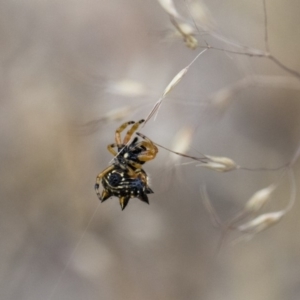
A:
71	73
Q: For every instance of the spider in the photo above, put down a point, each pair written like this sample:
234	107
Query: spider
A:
125	178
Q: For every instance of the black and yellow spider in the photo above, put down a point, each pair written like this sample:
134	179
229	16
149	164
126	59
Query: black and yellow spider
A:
125	178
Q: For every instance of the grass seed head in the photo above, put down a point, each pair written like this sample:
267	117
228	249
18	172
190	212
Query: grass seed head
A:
220	164
187	32
261	222
191	42
174	81
259	199
169	7
186	28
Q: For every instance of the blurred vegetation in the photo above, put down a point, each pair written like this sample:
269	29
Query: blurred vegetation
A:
61	63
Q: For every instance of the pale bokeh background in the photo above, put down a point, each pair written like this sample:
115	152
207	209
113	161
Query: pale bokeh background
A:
59	60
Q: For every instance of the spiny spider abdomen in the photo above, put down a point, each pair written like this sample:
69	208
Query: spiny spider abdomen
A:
118	183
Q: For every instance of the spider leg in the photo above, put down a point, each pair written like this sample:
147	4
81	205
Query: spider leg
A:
132	130
119	130
151	151
143	195
111	147
147	154
131	172
134	164
143	176
97	185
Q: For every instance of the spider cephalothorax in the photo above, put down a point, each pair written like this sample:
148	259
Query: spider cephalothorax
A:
125	178
128	155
